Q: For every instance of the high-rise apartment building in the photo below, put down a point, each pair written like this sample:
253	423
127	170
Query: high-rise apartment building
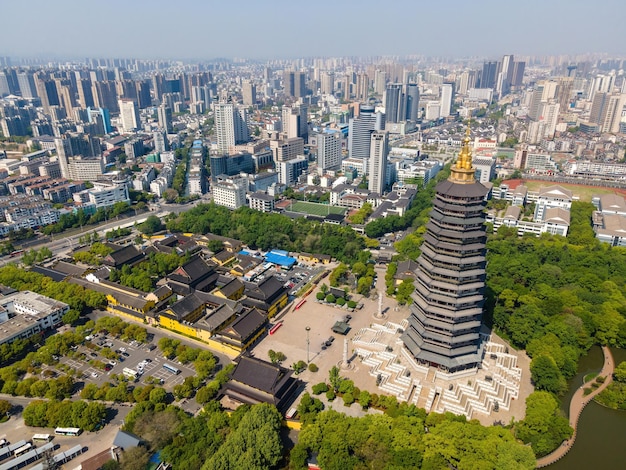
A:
26	83
105	95
85	95
606	111
327	86
380	82
446	312
47	91
377	171
231	126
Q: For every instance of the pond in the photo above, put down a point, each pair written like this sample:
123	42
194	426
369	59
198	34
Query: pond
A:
600	439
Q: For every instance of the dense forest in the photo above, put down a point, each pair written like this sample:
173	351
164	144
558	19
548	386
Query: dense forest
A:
556	297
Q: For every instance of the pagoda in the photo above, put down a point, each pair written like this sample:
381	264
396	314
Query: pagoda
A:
447	304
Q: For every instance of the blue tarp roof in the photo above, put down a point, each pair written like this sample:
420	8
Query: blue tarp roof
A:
280	259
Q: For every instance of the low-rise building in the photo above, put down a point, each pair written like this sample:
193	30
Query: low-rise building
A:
261	202
230	192
24	314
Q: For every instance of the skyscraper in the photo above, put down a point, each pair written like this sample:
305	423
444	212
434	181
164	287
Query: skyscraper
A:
488	76
412	93
395	103
377	170
504	75
360	128
446	313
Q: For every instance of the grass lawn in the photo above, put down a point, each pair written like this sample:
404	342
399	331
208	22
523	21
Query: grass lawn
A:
314	208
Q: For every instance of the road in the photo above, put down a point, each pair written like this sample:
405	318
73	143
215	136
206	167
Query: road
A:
61	243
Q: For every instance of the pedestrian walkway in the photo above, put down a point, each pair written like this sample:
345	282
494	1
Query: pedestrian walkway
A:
577	405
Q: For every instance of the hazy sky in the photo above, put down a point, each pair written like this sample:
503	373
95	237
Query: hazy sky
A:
207	29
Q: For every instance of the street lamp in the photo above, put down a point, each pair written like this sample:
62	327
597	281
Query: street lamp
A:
308	328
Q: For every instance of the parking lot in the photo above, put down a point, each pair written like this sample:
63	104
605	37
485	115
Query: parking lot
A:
128	355
298	276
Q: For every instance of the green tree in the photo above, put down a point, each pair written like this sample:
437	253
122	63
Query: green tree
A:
255	444
5	407
334	378
135	458
544	427
151	225
546	375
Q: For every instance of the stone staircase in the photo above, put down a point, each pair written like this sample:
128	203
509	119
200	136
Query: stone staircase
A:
395	378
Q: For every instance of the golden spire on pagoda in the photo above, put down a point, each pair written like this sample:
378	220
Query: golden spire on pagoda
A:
462	170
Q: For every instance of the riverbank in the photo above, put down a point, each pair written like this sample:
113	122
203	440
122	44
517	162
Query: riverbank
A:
577	405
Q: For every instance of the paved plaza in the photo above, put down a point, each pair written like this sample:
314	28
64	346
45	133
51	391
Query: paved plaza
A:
375	350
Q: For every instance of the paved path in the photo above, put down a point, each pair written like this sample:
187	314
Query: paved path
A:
577	405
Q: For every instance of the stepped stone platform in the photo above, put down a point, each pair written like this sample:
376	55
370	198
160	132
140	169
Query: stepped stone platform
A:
490	393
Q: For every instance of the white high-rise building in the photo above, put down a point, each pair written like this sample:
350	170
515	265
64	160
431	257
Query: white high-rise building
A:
230	126
377	174
129	113
329	150
446	100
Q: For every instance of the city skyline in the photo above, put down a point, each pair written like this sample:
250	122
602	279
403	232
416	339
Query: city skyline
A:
281	29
